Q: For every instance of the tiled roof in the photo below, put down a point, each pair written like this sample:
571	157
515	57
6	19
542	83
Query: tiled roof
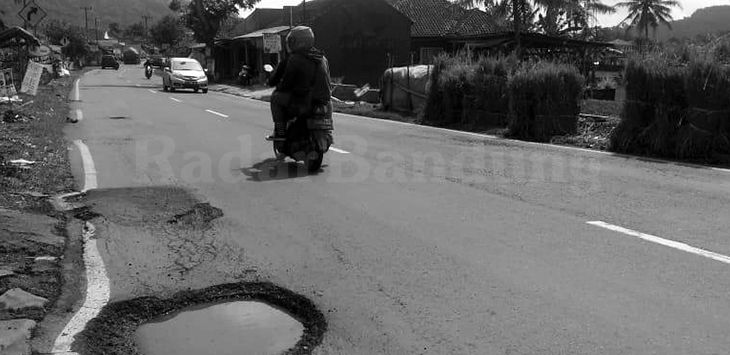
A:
439	18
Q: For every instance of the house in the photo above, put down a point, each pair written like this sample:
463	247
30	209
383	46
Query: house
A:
359	37
441	26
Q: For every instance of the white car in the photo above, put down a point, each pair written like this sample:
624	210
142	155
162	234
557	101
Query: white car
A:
184	73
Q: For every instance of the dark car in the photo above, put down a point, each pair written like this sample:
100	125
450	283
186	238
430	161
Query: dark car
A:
109	61
157	61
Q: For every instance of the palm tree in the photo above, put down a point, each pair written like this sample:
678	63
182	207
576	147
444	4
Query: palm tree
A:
559	14
645	13
520	11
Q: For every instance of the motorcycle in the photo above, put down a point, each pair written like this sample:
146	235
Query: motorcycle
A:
148	71
245	75
308	137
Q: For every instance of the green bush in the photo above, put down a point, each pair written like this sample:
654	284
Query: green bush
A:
469	93
706	130
544	101
486	104
654	107
434	110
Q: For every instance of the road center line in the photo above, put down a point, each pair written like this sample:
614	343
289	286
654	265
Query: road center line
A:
88	163
665	242
339	150
174	99
217	113
152	91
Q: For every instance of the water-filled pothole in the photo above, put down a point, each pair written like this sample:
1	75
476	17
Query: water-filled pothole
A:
233	328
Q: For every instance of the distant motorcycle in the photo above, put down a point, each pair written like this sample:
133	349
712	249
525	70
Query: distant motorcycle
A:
245	75
148	71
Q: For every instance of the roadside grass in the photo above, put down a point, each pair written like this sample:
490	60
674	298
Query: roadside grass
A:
372	110
40	138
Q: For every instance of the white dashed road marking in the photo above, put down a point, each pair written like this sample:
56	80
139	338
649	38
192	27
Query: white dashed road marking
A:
665	242
339	150
174	99
217	113
152	91
88	163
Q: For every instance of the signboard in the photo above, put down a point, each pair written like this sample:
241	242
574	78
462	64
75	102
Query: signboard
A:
7	86
31	13
32	78
272	43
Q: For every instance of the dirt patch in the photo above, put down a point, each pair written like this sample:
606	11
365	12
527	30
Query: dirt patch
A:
33	131
112	331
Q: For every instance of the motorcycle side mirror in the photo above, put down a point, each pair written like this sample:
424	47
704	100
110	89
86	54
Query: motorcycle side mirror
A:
268	68
167	69
205	70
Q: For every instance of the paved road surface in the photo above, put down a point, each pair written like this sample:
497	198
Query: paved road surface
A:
411	240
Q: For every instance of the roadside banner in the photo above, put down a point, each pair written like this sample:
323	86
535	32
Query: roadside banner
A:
32	78
272	43
8	86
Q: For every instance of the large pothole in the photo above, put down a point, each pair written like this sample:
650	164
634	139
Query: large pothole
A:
232	328
236	318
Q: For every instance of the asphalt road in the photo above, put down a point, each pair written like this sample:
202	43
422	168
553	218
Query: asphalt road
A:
412	239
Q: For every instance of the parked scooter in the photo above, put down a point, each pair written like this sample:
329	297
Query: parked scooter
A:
245	75
308	137
148	71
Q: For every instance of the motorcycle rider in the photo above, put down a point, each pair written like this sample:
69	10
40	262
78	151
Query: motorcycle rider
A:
148	68
302	80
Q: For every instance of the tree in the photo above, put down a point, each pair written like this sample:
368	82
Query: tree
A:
167	31
77	47
115	30
570	16
204	17
176	6
136	30
645	13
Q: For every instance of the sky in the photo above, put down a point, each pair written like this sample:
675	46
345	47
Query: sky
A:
688	7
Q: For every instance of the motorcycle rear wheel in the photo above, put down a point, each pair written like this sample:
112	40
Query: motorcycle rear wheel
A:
313	161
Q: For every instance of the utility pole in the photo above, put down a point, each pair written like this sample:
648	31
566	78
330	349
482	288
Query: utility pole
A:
304	12
86	18
146	17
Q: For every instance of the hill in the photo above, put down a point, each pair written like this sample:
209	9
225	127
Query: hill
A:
124	12
712	19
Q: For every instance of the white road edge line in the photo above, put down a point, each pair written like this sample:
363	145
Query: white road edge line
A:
174	99
665	242
97	282
217	113
76	90
339	150
88	163
97	294
152	91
